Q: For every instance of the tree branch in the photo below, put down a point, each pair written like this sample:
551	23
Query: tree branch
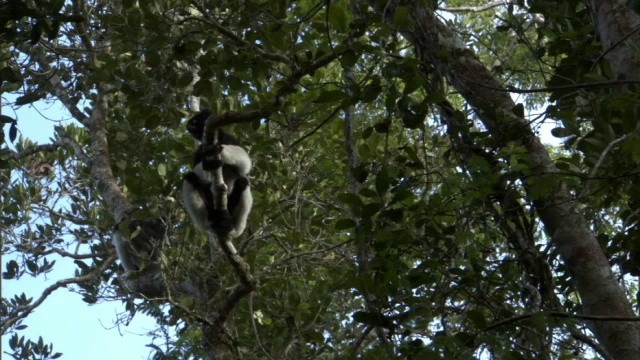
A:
511	89
235	117
247	282
592	343
101	168
22	312
559	314
15	155
318	127
235	38
61	142
66	140
601	158
475	9
79	256
57	87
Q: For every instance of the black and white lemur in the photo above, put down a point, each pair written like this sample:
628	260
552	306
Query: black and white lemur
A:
197	189
146	237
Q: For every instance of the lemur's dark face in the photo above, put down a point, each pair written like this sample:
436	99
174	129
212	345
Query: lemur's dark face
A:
195	125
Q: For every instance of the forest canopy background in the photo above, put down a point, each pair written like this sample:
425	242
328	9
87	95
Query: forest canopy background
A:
404	204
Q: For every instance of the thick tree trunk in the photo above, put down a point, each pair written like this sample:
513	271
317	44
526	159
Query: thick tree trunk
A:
617	28
589	267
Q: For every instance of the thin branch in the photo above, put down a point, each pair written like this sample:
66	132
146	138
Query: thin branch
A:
590	342
307	254
22	312
255	327
79	256
475	9
35	149
511	89
235	117
80	27
57	87
50	148
67	140
239	291
559	314
186	310
349	141
355	349
613	46
604	153
326	120
235	38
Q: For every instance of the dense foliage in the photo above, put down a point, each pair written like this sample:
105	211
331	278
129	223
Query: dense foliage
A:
404	205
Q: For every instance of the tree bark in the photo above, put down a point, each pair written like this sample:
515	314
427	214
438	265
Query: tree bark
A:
617	28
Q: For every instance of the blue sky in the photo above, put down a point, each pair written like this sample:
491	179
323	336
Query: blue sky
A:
78	330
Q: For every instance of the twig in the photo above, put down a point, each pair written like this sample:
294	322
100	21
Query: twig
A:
255	328
35	149
22	312
326	120
235	38
559	314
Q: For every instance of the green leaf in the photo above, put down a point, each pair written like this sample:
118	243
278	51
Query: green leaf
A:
13	132
29	98
338	17
373	319
434	98
412	84
401	195
368	193
331	96
383	181
36	32
392	97
477	317
382	127
366	133
344	224
7	74
412	120
371	209
542	186
349	58
126	4
401	17
184	80
518	110
203	88
32	266
351	199
560	132
395	215
6	119
162	169
12	270
371	92
466	338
